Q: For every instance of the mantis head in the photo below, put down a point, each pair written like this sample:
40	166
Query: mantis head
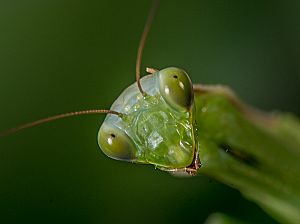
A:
156	127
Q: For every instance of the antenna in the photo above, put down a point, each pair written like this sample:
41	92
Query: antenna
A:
147	27
57	117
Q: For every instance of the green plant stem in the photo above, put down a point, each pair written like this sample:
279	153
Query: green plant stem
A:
254	153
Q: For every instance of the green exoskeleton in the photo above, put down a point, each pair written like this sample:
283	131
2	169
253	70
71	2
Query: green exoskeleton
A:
165	120
158	127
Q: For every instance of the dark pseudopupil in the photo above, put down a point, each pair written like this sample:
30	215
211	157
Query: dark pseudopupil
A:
175	76
113	135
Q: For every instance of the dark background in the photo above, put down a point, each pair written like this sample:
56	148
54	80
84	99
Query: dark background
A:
59	56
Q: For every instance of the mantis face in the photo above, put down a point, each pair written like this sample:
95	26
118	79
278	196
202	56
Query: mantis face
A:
157	128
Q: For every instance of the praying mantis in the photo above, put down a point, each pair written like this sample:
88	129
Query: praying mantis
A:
228	140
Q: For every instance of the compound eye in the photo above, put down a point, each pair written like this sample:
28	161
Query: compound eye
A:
176	88
115	143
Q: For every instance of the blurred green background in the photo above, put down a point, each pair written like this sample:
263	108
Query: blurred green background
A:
60	56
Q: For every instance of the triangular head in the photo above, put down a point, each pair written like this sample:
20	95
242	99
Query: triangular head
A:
157	127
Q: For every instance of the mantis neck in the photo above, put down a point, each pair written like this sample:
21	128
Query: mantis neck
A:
257	154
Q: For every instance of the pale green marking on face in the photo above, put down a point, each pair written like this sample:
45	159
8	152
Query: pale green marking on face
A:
155	129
